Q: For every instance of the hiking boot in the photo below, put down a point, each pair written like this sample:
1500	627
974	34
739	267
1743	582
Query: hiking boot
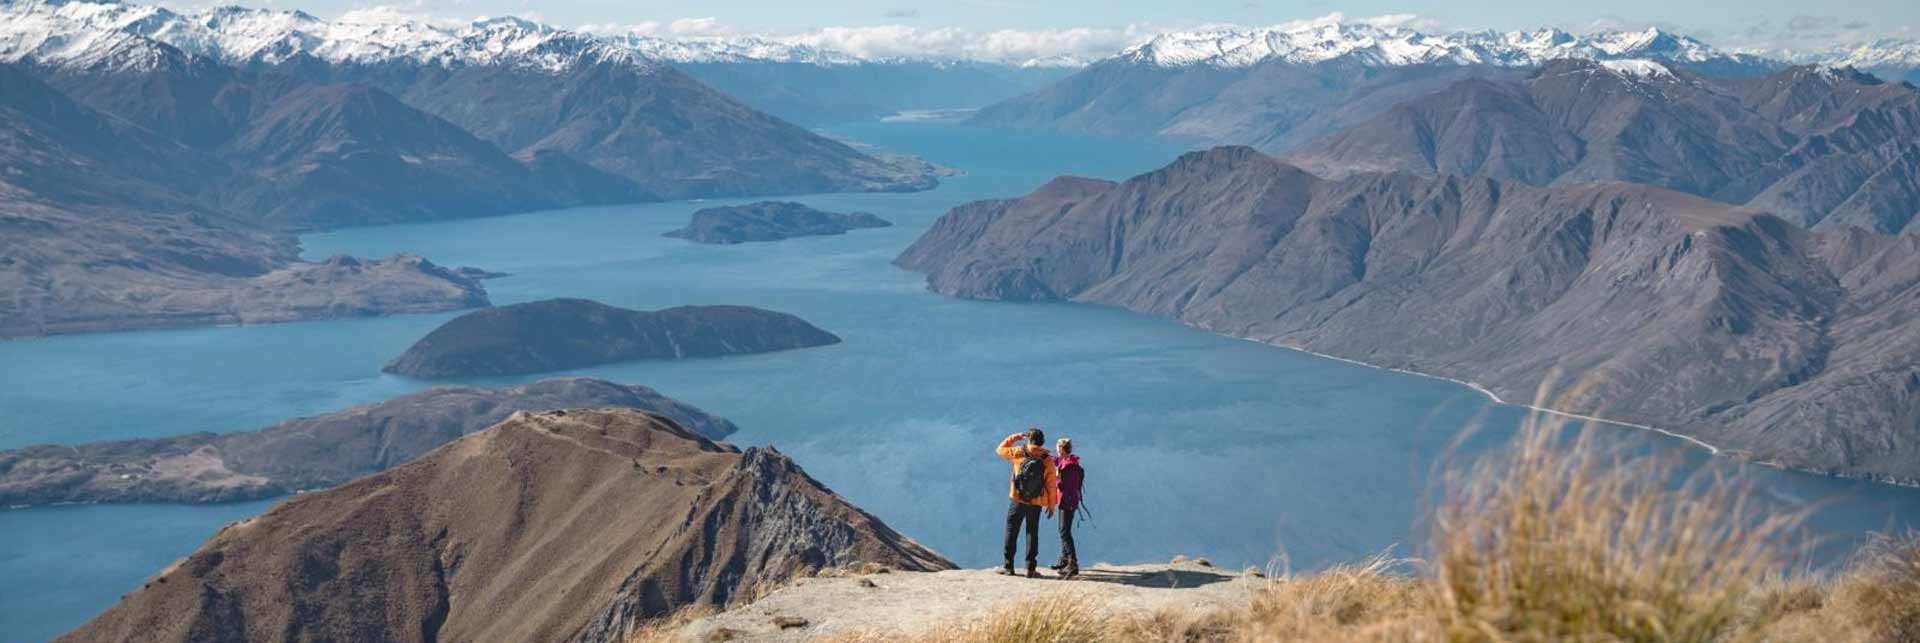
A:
1062	564
1072	570
1032	572
1007	570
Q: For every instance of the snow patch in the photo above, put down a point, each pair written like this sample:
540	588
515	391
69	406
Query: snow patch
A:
1637	68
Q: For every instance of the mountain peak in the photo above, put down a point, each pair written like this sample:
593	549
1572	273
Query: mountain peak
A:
625	514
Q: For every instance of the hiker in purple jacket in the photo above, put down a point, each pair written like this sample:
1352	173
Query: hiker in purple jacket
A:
1070	477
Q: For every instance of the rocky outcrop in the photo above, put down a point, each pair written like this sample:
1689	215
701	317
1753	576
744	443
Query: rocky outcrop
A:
571	525
304	454
560	334
770	221
1628	302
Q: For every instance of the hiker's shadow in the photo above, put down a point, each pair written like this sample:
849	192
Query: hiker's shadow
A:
1164	579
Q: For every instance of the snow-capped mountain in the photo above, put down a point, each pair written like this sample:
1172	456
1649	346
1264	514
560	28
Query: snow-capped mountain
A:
89	33
86	33
1888	56
1879	53
1320	41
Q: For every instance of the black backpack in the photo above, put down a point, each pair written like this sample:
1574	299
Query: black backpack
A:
1031	482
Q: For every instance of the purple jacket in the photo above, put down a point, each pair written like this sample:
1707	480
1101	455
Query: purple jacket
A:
1070	477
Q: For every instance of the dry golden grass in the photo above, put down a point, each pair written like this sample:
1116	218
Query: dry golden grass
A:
1881	594
1562	540
670	628
1063	617
1366	602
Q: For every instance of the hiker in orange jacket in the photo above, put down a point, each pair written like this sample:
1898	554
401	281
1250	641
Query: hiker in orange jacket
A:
1033	488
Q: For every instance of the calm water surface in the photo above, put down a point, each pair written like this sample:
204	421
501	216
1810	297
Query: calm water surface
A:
1195	444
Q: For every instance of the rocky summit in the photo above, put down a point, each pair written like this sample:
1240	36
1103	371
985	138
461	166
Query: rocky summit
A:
770	221
307	453
559	526
1631	302
559	334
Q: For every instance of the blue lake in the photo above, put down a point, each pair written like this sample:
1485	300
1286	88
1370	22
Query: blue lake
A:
1195	444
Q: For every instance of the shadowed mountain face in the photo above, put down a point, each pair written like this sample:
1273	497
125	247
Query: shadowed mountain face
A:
559	334
563	526
104	226
652	124
307	154
770	221
307	453
1636	303
1816	146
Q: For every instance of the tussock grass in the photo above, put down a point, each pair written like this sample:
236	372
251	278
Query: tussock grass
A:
1061	617
1365	602
670	628
1881	595
1563	540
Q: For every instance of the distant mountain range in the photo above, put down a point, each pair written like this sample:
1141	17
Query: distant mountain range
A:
1631	302
1277	87
157	160
800	83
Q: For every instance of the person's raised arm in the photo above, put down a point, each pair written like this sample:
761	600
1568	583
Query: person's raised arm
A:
1008	449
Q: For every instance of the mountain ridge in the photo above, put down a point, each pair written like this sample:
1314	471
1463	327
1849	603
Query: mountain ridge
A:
1818	146
625	514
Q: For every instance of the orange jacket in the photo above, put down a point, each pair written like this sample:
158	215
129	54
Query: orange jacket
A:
1016	454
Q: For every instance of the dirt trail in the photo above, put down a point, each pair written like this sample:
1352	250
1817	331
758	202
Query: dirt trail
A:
917	601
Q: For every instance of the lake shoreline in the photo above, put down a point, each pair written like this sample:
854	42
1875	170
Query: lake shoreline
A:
1496	399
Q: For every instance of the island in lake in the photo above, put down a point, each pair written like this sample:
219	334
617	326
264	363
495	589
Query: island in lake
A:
770	221
561	334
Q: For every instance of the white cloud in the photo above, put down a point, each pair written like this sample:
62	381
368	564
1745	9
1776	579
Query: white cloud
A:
1805	33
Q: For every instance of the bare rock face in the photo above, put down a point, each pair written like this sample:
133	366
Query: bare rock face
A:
307	453
1630	302
770	221
564	526
559	334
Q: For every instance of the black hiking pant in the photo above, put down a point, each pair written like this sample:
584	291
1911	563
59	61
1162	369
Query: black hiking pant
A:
1017	513
1067	555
